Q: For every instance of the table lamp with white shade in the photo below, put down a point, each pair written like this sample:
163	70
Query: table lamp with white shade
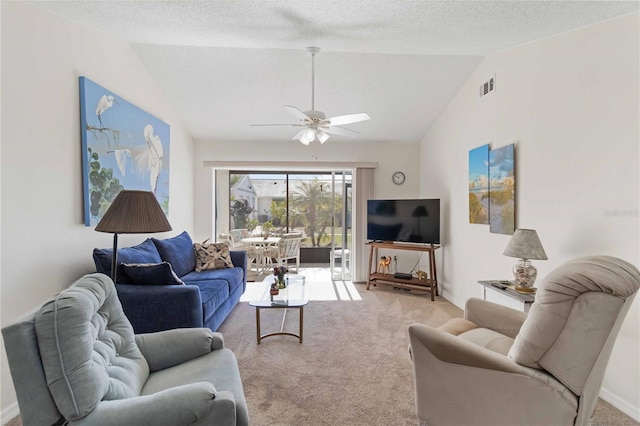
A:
525	244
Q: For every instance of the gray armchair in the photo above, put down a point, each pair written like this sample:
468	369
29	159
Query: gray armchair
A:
76	359
498	366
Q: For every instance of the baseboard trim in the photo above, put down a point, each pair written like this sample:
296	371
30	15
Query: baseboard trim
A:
9	413
12	411
620	404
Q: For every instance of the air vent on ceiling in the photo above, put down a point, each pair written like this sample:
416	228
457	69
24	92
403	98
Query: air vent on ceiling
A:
488	86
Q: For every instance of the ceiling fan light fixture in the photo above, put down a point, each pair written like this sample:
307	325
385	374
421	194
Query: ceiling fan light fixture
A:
322	136
308	136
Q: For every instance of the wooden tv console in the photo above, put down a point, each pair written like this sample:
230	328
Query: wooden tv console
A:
431	283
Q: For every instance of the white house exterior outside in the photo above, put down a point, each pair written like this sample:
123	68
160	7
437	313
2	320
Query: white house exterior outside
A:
261	191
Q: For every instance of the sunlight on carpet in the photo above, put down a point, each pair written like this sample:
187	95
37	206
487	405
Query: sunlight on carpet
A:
319	282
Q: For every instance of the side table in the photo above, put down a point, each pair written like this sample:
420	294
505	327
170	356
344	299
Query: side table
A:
504	293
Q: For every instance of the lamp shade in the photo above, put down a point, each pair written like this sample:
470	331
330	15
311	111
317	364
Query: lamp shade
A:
134	212
525	244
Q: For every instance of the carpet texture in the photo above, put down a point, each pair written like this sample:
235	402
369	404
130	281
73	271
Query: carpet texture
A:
353	367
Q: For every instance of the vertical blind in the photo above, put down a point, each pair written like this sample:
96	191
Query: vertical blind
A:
364	189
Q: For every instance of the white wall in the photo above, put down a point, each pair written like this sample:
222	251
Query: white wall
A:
571	105
45	245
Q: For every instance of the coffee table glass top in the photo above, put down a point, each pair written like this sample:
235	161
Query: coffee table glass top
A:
296	293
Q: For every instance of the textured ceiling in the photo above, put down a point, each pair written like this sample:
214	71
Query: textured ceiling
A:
227	64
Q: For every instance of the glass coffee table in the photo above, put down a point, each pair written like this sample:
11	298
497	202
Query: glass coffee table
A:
295	295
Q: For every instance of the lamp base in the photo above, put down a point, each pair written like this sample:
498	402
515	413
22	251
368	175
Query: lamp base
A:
525	275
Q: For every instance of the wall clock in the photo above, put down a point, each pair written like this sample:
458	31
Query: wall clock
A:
398	178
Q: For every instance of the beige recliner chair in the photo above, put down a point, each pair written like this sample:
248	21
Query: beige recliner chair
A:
498	366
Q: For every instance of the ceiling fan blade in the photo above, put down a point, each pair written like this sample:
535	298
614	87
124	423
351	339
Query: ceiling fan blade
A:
342	131
348	119
297	113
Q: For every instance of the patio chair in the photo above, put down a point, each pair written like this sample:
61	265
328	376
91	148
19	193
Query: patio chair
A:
254	254
288	248
238	234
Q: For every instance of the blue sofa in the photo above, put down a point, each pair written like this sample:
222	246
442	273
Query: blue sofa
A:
205	300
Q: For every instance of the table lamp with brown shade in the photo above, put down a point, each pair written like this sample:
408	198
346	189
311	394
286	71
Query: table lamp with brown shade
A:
132	212
525	245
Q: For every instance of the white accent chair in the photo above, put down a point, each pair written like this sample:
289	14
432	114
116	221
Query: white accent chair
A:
255	254
288	248
499	366
237	235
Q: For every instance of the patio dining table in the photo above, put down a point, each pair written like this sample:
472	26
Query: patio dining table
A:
259	246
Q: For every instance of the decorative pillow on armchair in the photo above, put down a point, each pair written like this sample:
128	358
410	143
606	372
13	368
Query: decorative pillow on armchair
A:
212	256
151	273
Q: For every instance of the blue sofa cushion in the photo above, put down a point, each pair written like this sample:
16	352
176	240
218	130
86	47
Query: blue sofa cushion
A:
151	273
145	252
213	294
227	274
179	252
234	277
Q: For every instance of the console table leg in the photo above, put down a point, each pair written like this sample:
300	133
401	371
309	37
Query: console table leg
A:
371	250
434	277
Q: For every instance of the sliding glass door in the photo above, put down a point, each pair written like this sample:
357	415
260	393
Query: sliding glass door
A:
340	260
316	204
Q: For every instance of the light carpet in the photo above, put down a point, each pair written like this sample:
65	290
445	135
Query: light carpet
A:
353	367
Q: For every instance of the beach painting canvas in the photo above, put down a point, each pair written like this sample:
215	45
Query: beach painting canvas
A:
479	185
123	147
502	194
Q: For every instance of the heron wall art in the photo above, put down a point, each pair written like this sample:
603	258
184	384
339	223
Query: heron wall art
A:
123	147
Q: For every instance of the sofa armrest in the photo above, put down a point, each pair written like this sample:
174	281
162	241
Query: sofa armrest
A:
167	348
152	308
493	316
239	259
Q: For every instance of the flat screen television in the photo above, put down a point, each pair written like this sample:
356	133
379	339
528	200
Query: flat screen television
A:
413	221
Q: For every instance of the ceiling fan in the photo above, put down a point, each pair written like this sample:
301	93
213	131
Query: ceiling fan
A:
315	124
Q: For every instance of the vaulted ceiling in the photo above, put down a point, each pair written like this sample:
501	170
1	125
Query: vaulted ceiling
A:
225	65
